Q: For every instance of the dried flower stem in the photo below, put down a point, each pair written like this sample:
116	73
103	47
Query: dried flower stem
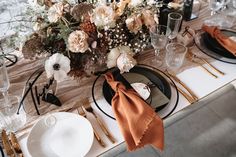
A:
65	21
6	22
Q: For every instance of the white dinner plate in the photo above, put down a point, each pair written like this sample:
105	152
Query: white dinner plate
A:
71	136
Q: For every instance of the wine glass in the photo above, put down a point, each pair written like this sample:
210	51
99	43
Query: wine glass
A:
234	3
173	22
4	85
159	38
9	120
226	2
216	5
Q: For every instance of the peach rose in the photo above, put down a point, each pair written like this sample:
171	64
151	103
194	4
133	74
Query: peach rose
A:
77	42
148	18
134	23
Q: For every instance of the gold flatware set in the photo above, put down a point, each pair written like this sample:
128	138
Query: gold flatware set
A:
11	144
97	136
190	96
88	108
194	58
81	111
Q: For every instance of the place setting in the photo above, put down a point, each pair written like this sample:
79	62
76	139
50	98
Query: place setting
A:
210	42
60	134
93	54
154	86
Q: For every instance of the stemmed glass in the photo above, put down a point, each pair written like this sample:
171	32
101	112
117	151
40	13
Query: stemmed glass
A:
9	120
226	2
173	22
4	85
216	5
159	38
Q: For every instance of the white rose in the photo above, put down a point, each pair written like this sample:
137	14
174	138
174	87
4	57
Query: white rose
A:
135	3
103	17
55	12
125	62
112	57
122	57
151	2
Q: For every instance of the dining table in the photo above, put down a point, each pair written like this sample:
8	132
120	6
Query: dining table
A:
73	90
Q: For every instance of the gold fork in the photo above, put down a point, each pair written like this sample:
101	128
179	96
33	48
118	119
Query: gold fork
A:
6	144
97	136
204	68
209	64
15	144
89	108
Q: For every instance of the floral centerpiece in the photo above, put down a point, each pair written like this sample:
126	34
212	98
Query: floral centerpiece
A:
81	38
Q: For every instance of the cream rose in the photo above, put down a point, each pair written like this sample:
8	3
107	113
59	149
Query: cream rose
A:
135	3
55	12
103	16
121	7
148	18
134	23
122	57
125	62
77	42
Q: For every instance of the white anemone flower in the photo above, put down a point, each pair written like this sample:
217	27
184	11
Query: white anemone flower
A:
57	66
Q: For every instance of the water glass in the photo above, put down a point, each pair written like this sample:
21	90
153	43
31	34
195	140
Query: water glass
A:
175	54
159	38
174	22
4	86
234	3
216	5
12	121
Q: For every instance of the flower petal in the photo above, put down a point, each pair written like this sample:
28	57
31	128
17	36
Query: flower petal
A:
65	64
49	68
60	75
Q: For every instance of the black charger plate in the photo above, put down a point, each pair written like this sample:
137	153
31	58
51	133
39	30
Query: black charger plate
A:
212	48
153	76
160	80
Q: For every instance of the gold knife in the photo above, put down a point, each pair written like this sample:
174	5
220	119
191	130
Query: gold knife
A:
97	136
15	144
183	85
6	144
189	98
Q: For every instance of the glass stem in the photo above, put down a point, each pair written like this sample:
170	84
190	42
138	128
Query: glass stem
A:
5	95
213	13
157	52
7	104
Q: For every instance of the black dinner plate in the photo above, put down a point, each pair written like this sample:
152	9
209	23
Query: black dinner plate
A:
212	44
160	83
153	76
212	48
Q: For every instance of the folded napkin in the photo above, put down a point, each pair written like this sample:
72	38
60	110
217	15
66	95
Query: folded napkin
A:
222	39
138	122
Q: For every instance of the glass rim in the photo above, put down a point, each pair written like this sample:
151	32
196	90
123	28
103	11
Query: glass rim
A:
171	44
158	26
180	16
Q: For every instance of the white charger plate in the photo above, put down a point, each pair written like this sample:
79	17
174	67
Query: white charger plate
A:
72	136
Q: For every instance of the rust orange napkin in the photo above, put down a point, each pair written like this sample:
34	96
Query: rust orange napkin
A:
138	122
222	39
